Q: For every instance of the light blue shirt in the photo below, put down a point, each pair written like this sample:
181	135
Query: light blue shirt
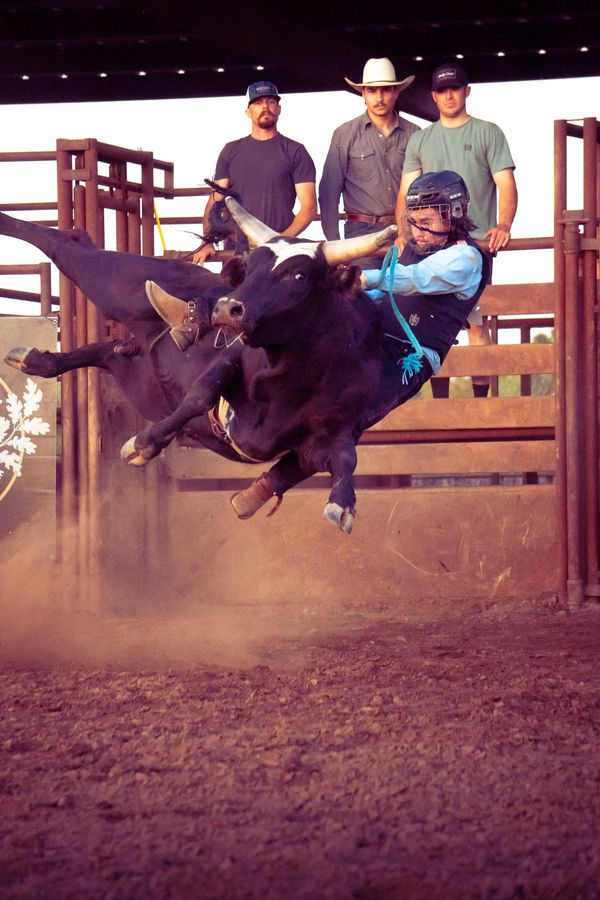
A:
452	270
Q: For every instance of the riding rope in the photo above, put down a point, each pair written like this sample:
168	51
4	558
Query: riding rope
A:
412	362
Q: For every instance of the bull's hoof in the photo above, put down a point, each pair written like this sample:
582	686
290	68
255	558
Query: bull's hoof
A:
17	358
32	361
249	501
137	456
337	515
126	348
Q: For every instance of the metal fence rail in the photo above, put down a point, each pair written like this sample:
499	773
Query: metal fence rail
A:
93	177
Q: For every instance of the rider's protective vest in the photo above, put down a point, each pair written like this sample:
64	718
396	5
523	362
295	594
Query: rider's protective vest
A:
436	319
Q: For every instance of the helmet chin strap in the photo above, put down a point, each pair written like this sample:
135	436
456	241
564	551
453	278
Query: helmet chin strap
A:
426	249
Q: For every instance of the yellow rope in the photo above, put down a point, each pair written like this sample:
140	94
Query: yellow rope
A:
160	231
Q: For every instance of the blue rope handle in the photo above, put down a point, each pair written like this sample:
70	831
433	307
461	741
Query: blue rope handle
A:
412	363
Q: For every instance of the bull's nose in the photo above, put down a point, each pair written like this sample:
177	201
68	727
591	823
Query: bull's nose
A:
227	309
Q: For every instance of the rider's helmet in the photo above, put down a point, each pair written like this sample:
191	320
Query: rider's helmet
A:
433	201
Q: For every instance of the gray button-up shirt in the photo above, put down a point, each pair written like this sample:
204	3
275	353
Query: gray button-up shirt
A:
365	167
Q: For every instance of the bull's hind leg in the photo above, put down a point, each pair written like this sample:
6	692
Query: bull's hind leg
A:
46	364
286	473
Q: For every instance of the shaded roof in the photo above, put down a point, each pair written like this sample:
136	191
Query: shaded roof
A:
66	50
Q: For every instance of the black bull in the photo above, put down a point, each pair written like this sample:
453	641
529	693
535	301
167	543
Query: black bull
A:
308	377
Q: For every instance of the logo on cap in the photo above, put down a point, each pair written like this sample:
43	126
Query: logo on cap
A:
262	89
449	76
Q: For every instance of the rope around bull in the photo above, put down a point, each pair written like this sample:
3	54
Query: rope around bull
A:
412	362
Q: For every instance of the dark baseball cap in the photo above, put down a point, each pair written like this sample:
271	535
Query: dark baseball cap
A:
262	89
448	75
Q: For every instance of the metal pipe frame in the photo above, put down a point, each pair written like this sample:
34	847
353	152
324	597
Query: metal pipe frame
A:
577	394
591	135
560	202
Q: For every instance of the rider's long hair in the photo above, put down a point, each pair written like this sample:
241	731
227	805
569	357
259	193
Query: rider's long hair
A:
460	229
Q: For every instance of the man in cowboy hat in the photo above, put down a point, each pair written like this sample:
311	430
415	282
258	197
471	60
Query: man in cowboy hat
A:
365	158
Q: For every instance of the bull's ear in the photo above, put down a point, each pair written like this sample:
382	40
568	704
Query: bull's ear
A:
255	230
234	270
344	280
363	245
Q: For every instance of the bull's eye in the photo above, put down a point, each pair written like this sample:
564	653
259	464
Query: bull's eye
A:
299	276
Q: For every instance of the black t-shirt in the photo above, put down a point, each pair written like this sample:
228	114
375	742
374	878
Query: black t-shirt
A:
264	174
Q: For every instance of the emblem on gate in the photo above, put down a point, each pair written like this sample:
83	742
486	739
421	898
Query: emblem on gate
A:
17	423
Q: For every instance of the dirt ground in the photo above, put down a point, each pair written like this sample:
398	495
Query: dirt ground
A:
422	752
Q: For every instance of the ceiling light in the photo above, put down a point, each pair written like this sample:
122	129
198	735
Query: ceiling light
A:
541	52
64	76
418	59
460	56
259	68
24	77
220	69
102	75
583	49
181	71
141	73
500	53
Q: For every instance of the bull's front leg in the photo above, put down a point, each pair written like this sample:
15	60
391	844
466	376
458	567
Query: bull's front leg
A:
203	394
340	509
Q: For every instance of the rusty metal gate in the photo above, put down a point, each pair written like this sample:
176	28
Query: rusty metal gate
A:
555	435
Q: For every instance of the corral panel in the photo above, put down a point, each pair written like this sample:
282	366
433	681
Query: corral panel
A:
423	543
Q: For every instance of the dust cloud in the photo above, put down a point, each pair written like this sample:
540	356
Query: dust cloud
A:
131	615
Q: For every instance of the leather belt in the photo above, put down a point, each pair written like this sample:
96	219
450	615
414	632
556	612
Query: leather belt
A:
386	220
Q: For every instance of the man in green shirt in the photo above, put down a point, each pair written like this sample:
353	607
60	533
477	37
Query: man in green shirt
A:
479	151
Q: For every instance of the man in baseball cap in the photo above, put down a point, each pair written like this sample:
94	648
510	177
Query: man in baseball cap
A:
269	171
479	152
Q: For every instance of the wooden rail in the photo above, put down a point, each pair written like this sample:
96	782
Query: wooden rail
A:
450	436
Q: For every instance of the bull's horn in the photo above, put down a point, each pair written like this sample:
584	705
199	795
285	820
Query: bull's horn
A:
255	230
362	245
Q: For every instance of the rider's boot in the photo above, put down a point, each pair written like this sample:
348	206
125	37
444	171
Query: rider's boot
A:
180	315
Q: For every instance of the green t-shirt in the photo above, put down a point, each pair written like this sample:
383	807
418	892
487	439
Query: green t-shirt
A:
477	150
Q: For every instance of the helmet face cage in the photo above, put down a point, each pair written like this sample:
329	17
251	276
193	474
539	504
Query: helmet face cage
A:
426	227
433	201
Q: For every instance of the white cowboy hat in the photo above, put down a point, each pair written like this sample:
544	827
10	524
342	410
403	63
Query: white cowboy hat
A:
380	73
